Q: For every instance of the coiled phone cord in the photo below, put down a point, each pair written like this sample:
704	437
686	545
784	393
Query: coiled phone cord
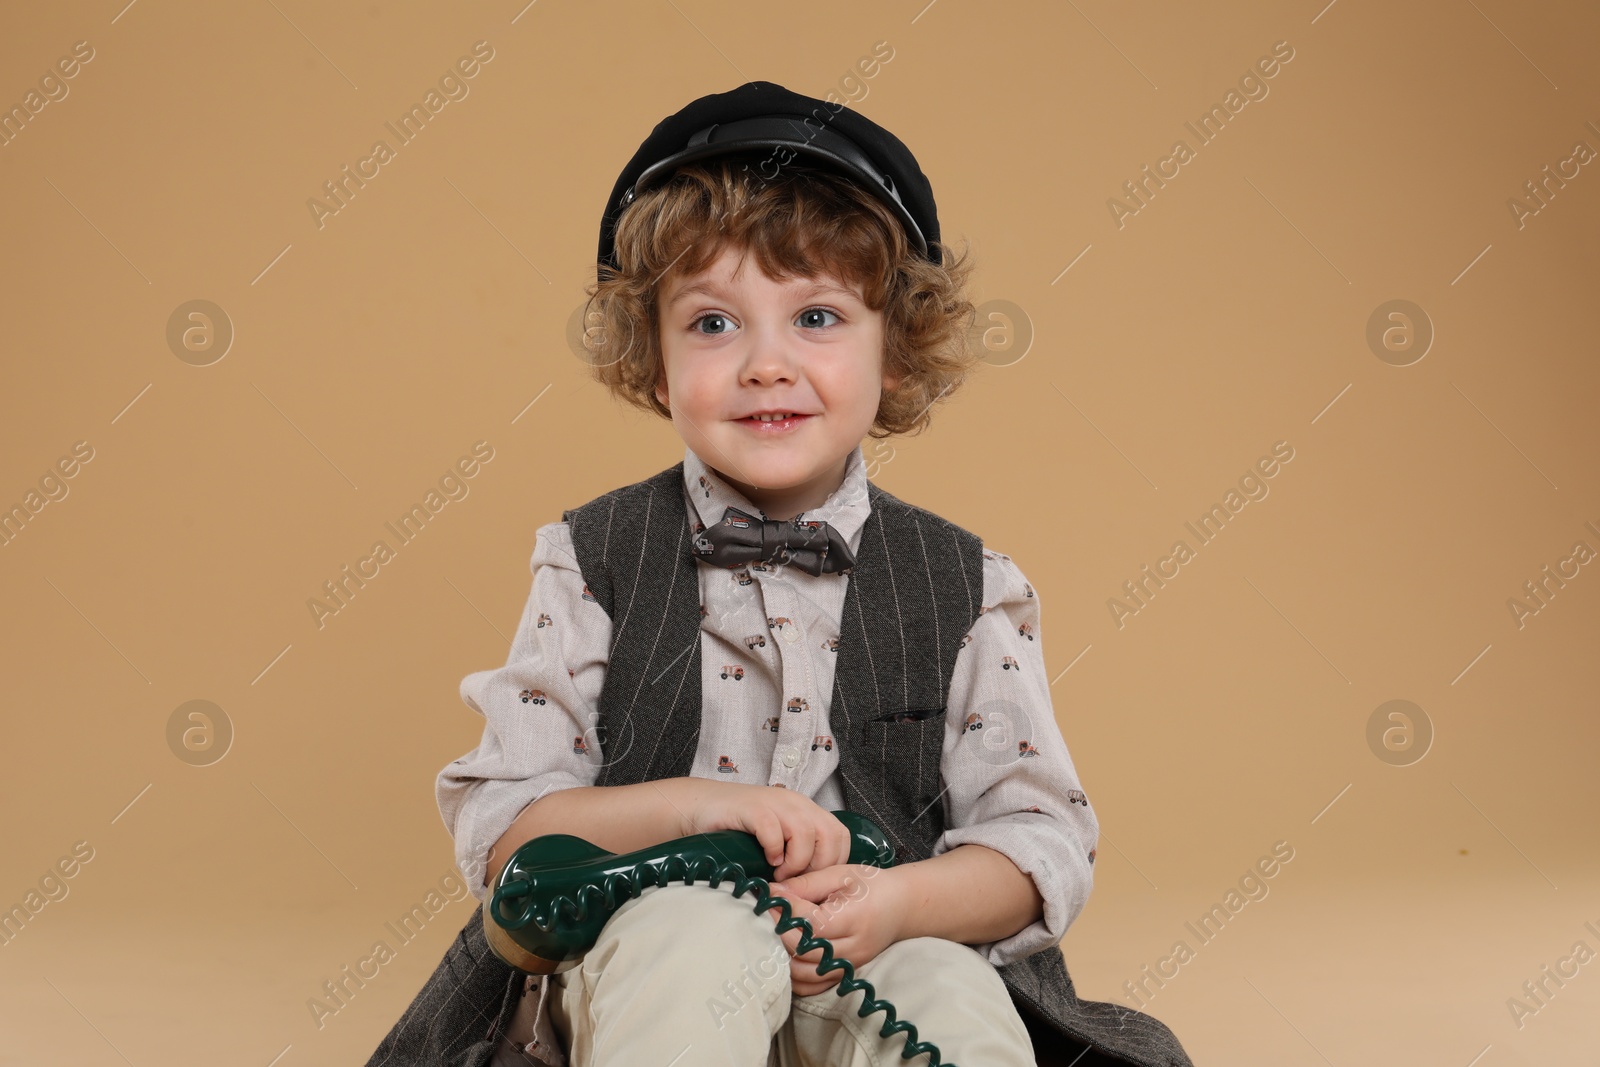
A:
620	885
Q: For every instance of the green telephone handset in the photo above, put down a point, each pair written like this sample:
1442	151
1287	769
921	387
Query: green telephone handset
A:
557	891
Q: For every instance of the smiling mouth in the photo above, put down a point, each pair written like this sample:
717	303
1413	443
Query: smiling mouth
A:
788	422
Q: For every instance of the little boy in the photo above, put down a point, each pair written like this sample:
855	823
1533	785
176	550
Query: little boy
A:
759	635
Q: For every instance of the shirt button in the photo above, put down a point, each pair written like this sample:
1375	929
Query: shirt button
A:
790	758
790	633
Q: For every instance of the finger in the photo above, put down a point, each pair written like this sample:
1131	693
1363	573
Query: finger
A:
794	936
815	982
769	832
790	937
804	975
790	892
822	854
803	978
813	955
818	918
801	887
775	913
801	845
844	838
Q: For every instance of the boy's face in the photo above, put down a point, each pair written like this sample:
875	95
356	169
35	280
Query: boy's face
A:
735	342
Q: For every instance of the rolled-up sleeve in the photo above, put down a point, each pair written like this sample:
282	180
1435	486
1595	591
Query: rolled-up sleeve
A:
539	710
1010	782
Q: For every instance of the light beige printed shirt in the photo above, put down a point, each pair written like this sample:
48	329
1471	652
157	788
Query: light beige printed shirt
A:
769	639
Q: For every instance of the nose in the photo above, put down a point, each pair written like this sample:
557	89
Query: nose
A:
771	354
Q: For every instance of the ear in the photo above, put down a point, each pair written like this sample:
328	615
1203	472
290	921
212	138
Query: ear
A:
661	390
890	382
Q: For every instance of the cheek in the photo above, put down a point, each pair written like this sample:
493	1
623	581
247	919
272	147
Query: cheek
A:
669	361
695	392
873	362
855	385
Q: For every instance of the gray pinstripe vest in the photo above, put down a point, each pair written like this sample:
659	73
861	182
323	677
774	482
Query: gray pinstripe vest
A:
914	592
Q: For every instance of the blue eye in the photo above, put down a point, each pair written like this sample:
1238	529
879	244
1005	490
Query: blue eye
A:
695	325
817	311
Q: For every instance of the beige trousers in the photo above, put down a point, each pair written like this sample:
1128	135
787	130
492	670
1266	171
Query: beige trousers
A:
690	975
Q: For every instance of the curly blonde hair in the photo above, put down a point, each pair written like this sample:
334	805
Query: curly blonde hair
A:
805	222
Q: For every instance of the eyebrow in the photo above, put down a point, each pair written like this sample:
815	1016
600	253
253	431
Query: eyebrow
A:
809	288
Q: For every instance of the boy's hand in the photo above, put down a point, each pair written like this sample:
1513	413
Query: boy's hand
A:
796	833
855	906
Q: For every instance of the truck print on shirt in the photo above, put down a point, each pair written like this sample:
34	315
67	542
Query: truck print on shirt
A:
747	717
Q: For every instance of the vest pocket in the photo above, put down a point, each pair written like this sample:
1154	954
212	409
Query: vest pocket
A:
905	745
906	715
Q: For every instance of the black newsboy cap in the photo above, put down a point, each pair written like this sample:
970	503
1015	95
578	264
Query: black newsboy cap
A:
772	126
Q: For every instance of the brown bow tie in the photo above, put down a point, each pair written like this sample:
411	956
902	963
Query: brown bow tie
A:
740	538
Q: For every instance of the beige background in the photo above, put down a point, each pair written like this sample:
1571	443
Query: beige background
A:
1228	314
